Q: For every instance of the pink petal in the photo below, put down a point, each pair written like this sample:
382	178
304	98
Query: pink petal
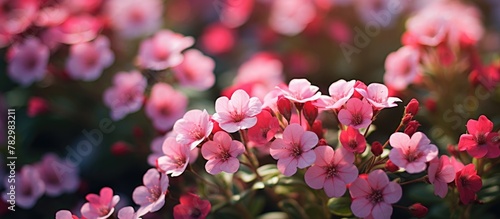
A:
415	167
378	179
382	210
315	177
158	203
478	151
230	166
399	140
151	178
324	155
360	188
440	189
287	166
334	187
392	193
106	195
279	149
293	133
347	172
239	101
306	159
210	150
140	195
484	125
213	166
308	140
397	156
361	207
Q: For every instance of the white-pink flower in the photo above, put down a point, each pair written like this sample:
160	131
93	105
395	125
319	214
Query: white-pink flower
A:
441	172
57	176
151	196
29	187
175	159
237	113
411	153
27	61
195	71
290	17
163	50
100	206
234	13
194	127
126	95
340	92
402	67
165	106
129	213
134	18
222	154
378	95
373	197
87	60
357	113
301	91
332	170
64	214
294	150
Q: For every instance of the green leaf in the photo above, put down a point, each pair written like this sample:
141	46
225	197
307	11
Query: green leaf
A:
274	215
340	206
293	209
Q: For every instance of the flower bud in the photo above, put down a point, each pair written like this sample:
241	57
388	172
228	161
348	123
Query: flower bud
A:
310	112
322	142
377	148
37	106
418	210
407	118
285	107
391	167
412	127
317	128
412	107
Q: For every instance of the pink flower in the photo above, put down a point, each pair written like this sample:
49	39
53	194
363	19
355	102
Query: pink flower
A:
165	106
134	18
100	206
87	60
340	92
218	39
77	29
222	154
176	157
156	149
402	68
468	183
237	113
37	106
234	13
357	113
191	207
265	129
163	50
301	91
332	170
27	61
17	16
195	71
151	196
194	127
426	28
29	187
411	153
294	150
441	172
65	214
352	140
126	95
377	94
383	12
373	196
290	17
129	213
57	176
481	140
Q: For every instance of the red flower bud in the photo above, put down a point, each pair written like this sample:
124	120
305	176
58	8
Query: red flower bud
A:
120	148
391	167
359	84
322	142
285	107
216	127
412	127
37	106
407	118
377	148
418	210
317	128
430	105
310	112
412	107
452	149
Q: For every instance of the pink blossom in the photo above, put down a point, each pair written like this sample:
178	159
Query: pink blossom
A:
27	61
156	149
373	196
357	113
468	184
65	214
176	157
294	150
134	18
237	113
191	207
194	128
332	170
301	91
151	196
165	106
29	187
218	39
383	12
290	17
402	68
126	95
195	71
427	28
51	16
57	176
17	16
76	6
352	140
163	50
480	142
234	13
340	92
77	29
378	95
129	213
222	154
265	129
441	172
411	153
87	60
100	206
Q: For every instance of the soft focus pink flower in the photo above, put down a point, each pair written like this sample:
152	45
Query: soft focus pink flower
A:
294	150
480	142
352	140
175	159
165	106
234	13
27	61
100	206
51	16
265	129
17	16
29	187
357	113
76	6
163	50
78	29
222	154
340	92
156	149
441	172
37	106
65	214
411	153
381	12
402	68
218	39
300	91
87	60
191	207
196	71
238	112
373	196
129	213
457	165
134	18
194	127
151	196
332	170
468	183
290	17
57	176
378	95
127	94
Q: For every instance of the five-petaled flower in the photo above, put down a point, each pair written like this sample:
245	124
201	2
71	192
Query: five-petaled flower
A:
222	153
192	207
352	140
100	206
357	113
411	153
468	183
441	172
237	113
151	195
176	157
481	140
194	127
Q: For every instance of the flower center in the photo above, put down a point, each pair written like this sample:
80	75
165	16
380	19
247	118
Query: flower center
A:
481	139
357	119
412	155
224	154
352	144
237	117
180	161
296	151
331	171
195	213
103	211
154	193
376	196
